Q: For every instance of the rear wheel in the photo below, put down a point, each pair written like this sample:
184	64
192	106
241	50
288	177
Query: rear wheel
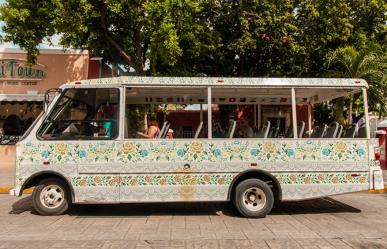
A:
253	198
51	197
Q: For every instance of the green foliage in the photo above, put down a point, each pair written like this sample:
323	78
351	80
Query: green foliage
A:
369	63
200	37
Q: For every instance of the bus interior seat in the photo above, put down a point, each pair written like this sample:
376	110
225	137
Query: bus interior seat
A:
289	132
275	132
300	129
164	135
351	132
362	132
264	132
340	132
271	132
231	128
198	130
332	130
162	130
319	131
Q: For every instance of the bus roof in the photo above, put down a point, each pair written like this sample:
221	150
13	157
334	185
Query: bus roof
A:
222	82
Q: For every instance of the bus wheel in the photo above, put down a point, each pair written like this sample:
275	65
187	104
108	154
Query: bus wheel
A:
253	198
51	197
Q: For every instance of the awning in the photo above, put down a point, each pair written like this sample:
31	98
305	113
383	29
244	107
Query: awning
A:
21	97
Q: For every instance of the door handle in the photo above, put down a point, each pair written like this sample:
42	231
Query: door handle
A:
187	166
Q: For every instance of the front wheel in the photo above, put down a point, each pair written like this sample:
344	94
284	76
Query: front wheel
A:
51	197
253	198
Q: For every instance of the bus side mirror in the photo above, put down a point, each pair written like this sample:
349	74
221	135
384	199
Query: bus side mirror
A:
47	94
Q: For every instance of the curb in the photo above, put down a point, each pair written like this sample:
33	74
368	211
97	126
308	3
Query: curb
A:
5	189
379	190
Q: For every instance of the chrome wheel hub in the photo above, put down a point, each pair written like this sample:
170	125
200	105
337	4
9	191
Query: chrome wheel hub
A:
254	199
52	196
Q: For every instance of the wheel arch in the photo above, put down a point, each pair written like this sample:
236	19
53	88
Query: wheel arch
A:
258	174
35	178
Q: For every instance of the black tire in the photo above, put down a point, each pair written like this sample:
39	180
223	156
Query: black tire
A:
261	193
58	186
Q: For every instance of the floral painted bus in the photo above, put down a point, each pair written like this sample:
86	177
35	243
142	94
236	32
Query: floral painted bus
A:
250	141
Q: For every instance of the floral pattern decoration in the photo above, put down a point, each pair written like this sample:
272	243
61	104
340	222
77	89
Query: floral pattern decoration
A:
214	179
194	151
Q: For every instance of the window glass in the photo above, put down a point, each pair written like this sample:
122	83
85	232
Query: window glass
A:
83	114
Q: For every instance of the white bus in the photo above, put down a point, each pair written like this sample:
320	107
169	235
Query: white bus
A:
250	141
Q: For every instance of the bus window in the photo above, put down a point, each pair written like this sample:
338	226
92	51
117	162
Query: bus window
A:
83	114
250	113
163	113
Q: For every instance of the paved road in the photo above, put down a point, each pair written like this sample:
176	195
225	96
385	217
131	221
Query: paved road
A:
348	221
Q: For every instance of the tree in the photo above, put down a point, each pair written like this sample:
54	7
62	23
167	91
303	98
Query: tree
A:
368	63
200	37
129	32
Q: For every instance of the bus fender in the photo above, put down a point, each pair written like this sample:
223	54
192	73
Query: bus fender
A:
34	179
258	174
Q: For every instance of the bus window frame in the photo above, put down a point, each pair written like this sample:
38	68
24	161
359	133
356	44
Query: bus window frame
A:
118	120
160	139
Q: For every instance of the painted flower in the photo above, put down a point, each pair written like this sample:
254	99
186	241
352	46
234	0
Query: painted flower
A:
82	154
148	179
221	180
97	180
196	147
269	147
61	148
206	178
133	182
143	153
128	148
254	152
114	181
335	179
290	153
325	152
192	180
360	152
307	180
44	154
163	181
340	146
178	179
320	177
82	182
180	152
217	152
363	179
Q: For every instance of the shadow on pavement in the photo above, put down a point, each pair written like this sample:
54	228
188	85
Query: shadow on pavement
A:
321	206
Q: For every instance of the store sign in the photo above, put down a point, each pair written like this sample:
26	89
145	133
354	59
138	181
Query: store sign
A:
18	69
